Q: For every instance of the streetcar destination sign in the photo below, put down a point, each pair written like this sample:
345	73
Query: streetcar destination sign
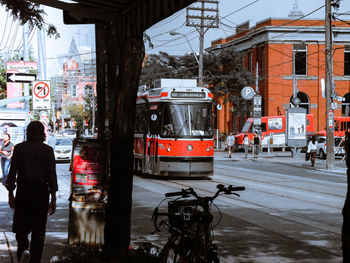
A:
20	77
179	94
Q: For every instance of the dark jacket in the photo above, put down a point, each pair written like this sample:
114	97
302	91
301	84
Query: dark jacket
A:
32	163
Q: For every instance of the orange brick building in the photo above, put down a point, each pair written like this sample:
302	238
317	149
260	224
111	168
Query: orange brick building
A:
278	44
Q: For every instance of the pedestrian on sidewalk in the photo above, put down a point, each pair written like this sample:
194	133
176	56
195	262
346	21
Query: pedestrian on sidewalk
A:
6	150
256	143
311	149
246	144
346	209
33	172
230	143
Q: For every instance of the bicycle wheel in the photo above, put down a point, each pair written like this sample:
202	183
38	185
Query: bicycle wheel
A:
213	254
169	254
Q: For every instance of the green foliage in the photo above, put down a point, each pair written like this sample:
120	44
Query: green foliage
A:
223	70
225	73
28	12
77	113
2	80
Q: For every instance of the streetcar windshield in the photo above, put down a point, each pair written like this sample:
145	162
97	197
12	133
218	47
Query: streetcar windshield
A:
187	120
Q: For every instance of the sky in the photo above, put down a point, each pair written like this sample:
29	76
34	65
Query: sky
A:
231	13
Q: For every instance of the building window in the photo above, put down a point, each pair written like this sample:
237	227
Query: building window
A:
347	61
304	101
88	90
74	91
250	62
300	59
345	106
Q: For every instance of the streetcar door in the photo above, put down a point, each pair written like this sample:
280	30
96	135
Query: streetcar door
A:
152	146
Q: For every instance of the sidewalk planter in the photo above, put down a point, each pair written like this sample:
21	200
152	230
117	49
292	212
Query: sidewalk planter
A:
88	192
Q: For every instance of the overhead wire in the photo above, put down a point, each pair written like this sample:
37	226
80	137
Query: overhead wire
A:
9	34
3	33
168	20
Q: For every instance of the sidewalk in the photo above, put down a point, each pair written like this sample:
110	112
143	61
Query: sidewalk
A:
285	158
56	231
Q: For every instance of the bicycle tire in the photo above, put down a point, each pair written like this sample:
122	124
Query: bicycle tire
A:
170	255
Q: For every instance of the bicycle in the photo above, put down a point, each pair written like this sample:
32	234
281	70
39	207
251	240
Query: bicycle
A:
190	223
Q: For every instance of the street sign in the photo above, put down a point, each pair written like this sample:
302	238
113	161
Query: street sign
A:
330	119
257	110
21	66
20	77
41	95
247	93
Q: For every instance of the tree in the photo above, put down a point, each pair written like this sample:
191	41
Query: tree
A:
28	12
223	71
164	65
77	114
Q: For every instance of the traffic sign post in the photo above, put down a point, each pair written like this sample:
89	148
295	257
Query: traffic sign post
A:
41	95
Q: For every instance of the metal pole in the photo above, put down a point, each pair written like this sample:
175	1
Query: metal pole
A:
257	78
26	58
329	81
201	47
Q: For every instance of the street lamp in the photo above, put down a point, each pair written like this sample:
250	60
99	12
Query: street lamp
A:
173	33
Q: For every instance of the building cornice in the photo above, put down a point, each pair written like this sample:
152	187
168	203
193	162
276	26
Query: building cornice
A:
276	34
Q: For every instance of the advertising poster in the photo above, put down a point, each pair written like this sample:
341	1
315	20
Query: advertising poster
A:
13	127
88	168
297	125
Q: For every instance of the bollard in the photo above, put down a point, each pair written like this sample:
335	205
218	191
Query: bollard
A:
268	147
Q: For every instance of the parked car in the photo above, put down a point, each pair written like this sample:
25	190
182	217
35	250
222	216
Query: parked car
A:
322	147
63	149
71	133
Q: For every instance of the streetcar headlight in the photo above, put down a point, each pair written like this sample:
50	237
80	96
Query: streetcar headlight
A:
168	149
208	149
189	147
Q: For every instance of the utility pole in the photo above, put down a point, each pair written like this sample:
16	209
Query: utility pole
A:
202	18
26	58
329	86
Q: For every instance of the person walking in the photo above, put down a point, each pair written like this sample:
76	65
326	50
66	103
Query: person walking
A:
33	172
346	208
230	142
256	143
6	150
246	145
311	149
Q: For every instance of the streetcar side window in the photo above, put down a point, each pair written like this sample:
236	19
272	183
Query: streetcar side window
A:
139	119
246	127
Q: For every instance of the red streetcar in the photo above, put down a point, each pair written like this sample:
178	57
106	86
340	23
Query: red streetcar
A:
173	130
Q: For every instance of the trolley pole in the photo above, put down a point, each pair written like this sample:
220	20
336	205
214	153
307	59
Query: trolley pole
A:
329	87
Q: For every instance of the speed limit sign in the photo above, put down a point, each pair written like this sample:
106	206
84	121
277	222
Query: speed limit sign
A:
41	95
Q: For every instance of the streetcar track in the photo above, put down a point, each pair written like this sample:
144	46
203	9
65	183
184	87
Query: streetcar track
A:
270	211
286	196
225	167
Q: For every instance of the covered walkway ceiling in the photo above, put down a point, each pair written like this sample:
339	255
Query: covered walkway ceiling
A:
133	15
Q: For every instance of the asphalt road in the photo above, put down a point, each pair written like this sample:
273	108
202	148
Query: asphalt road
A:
289	212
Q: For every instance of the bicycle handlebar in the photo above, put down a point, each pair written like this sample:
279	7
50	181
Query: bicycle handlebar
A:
221	188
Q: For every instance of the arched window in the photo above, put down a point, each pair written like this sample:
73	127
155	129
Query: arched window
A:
345	106
304	101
